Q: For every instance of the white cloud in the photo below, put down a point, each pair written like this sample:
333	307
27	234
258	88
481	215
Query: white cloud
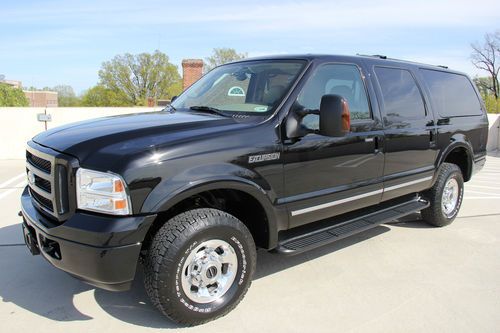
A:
251	16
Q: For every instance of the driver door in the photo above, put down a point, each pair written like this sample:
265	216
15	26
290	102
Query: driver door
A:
327	176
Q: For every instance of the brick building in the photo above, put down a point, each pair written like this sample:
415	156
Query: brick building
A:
42	98
192	70
36	98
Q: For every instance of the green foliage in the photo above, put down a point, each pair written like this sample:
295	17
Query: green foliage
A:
10	96
222	56
174	90
492	104
484	85
102	96
141	76
65	95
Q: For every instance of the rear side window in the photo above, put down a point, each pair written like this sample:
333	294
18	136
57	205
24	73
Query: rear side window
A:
400	94
451	94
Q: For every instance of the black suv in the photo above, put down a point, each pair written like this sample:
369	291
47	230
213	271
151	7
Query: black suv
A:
280	153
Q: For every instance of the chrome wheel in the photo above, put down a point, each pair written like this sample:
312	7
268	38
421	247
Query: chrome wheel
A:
209	271
449	199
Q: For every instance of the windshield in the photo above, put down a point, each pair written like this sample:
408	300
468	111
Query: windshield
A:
251	87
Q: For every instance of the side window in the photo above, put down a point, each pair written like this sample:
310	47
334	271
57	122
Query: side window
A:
400	94
337	79
451	94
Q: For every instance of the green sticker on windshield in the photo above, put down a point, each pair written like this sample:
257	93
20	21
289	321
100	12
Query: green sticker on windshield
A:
236	91
260	108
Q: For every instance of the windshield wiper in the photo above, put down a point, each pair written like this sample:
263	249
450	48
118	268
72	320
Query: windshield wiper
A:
209	109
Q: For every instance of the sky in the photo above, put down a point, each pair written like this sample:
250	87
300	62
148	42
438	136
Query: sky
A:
46	43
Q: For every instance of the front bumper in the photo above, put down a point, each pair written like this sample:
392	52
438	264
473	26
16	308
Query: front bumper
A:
100	250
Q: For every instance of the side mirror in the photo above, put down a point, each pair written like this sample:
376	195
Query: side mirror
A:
334	116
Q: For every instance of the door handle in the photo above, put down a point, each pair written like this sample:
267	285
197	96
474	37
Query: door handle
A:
376	141
432	138
443	121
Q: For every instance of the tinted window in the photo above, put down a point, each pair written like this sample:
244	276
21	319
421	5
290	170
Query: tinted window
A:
451	94
400	93
337	79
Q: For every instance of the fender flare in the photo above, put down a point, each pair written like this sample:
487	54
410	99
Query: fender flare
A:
274	216
459	141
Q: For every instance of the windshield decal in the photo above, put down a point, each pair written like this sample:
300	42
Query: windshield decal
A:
260	108
236	91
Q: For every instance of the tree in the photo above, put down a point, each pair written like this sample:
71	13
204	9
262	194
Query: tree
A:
10	96
486	57
102	96
65	95
140	76
483	85
222	56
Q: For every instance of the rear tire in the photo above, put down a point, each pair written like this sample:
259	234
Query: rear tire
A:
199	266
445	197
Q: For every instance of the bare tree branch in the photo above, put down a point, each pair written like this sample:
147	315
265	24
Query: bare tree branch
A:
484	57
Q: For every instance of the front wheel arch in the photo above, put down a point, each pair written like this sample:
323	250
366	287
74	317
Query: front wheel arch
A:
264	226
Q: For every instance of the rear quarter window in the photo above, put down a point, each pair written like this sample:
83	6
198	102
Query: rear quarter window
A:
452	95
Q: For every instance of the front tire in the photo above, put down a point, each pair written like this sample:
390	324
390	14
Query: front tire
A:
445	197
199	266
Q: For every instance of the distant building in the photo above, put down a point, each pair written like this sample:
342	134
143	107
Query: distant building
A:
13	83
192	70
36	98
163	102
41	98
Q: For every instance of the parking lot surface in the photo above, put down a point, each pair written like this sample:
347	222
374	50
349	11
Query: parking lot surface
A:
400	277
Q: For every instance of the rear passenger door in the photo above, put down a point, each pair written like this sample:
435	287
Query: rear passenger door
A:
410	132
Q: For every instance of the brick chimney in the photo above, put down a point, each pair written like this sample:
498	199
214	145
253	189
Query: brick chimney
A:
192	70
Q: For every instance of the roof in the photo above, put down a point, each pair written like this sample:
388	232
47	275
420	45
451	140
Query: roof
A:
373	59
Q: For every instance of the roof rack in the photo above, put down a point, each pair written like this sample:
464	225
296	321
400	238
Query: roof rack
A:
380	56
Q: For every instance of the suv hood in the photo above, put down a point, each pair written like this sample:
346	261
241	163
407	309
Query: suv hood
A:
117	136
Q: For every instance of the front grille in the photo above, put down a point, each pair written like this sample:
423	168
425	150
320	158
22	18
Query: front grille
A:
42	201
48	181
43	184
39	162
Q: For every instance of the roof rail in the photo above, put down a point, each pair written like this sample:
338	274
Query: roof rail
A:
442	66
380	56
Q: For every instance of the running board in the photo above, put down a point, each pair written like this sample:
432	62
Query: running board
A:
332	233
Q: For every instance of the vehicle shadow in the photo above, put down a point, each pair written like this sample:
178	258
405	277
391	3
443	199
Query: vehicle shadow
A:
34	285
269	263
135	308
413	221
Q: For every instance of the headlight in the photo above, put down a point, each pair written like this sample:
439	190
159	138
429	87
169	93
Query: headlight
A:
101	192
